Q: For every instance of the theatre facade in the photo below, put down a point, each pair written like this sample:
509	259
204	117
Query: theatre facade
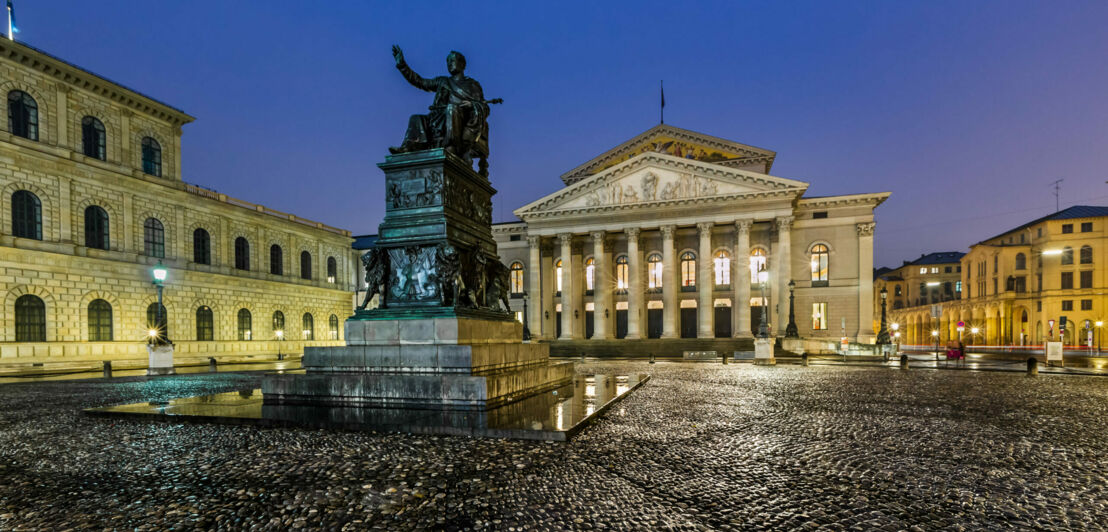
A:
676	235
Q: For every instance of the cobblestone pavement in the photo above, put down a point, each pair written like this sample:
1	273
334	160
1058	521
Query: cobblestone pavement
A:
701	446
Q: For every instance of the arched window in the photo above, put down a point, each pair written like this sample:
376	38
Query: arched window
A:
309	326
205	324
621	272
688	269
96	227
99	321
333	326
153	238
721	266
151	157
93	137
590	274
22	115
201	246
278	323
819	263
757	263
276	260
158	321
558	276
1021	261
654	271
1086	255
305	265
242	254
26	215
332	270
516	270
245	324
1067	255
30	319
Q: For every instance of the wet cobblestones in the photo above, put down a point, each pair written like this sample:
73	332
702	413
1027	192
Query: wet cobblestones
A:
701	446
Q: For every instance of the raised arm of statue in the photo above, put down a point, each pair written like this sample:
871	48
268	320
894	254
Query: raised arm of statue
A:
415	79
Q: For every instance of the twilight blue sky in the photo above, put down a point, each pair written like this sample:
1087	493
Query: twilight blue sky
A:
965	111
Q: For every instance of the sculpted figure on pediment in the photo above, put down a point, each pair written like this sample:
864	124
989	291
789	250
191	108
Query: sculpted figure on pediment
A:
649	186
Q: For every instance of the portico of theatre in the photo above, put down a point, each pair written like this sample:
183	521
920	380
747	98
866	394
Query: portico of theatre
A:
679	238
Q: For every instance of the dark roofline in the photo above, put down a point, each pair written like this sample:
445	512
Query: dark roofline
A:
1060	215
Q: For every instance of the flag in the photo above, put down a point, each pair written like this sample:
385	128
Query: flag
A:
11	17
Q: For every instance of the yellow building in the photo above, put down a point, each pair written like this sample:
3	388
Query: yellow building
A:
93	199
934	278
1019	285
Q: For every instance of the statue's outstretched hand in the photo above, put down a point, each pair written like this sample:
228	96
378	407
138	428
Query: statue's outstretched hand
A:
397	54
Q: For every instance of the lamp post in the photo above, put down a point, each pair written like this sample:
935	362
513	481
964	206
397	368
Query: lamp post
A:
763	276
162	337
935	335
526	330
790	329
896	334
1098	324
973	332
883	333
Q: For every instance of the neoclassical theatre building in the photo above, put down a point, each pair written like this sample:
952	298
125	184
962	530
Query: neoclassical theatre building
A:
679	235
93	199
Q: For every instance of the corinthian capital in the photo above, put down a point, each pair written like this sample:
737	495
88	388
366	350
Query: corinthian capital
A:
704	228
668	231
632	232
534	241
865	229
598	236
565	239
784	223
743	226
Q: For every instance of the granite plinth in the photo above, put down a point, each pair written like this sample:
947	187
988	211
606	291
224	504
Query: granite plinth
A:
450	330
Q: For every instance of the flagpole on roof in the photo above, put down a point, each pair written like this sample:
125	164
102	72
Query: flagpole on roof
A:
662	110
11	21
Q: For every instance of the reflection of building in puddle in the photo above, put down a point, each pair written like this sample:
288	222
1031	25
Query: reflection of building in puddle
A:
621	384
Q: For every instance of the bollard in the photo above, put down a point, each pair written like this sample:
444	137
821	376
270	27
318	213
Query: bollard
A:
280	356
107	369
903	361
211	364
651	358
582	356
1032	366
804	359
725	358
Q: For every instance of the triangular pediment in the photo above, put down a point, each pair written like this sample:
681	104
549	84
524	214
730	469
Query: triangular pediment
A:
681	143
652	179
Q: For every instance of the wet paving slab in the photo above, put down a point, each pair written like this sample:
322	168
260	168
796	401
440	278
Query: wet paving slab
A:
698	447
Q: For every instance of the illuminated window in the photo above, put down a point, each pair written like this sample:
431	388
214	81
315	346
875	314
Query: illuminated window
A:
30	319
590	273
757	262
819	316
558	276
22	115
332	270
93	138
99	321
923	270
721	263
688	269
654	271
278	321
26	215
158	320
819	262
151	157
621	272
1067	255
516	277
205	325
935	269
333	327
308	323
245	324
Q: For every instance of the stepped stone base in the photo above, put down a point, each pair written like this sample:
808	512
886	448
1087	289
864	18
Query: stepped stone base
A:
442	362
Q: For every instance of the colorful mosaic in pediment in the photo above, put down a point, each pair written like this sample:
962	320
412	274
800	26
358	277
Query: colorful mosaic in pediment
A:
677	148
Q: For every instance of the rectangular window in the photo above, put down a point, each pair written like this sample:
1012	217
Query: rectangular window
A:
1038	306
819	316
1067	228
946	270
1086	227
934	269
1067	280
923	270
958	286
1086	304
515	238
897	291
959	269
1040	233
1067	304
818	215
1087	279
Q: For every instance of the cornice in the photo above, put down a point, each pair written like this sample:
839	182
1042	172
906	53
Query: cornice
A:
511	227
874	199
699	201
74	76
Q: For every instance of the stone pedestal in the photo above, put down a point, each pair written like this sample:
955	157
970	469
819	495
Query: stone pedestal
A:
763	352
442	337
160	359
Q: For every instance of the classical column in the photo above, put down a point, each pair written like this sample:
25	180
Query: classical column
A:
865	281
547	309
705	282
534	286
602	292
785	273
670	286
577	296
566	241
740	280
634	284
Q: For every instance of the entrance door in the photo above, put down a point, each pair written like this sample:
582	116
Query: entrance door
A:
589	325
723	322
557	324
654	323
621	324
755	318
688	323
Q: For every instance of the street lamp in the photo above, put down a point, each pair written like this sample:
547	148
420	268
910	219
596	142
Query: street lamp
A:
935	335
974	331
1098	324
763	276
883	333
526	330
159	334
790	329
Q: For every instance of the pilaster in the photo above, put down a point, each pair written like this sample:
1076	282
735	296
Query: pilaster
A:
634	284
784	272
705	282
865	281
601	289
565	240
740	280
670	286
